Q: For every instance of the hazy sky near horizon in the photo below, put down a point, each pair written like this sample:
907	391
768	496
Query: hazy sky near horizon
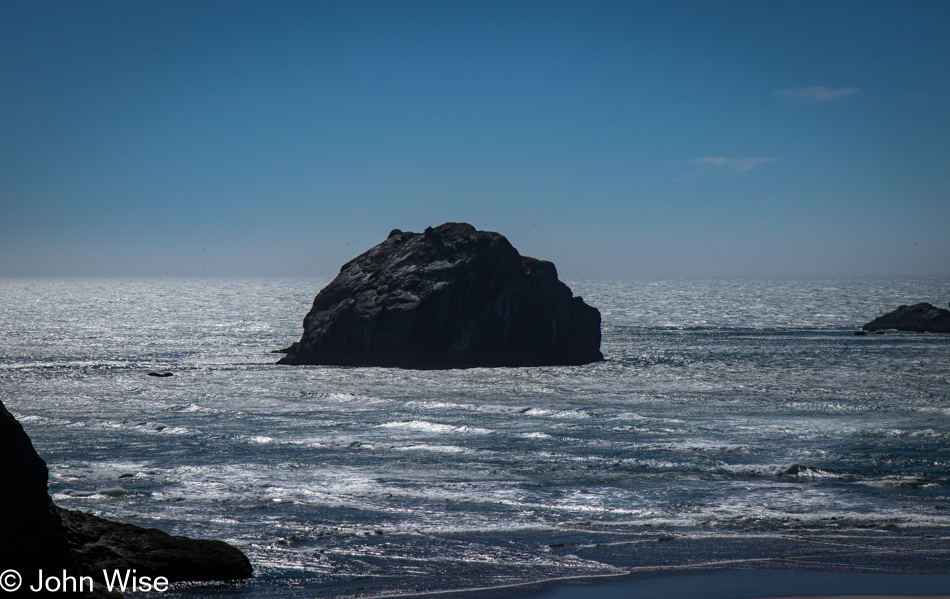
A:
617	139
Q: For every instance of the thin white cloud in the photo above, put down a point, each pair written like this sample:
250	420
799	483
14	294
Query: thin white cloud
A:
822	94
739	164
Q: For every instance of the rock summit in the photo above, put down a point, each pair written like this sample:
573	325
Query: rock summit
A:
449	297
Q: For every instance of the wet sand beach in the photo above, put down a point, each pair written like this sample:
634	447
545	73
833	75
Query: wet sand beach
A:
749	584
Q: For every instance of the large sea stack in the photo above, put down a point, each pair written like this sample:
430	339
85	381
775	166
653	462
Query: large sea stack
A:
450	297
919	318
36	534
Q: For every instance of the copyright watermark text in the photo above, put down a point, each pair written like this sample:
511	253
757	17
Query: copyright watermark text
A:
10	580
115	580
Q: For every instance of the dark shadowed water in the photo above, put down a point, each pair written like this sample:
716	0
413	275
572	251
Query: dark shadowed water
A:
734	423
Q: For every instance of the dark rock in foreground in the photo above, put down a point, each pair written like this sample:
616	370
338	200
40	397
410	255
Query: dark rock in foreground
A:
919	318
36	534
100	544
31	532
446	298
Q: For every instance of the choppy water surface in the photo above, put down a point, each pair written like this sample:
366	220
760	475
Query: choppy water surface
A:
740	420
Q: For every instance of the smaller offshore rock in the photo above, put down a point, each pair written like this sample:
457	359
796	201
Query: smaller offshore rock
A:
450	297
919	318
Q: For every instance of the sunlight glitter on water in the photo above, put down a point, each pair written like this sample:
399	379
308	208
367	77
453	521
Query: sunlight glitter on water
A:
740	411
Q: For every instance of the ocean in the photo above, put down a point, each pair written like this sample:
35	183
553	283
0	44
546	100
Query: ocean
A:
734	424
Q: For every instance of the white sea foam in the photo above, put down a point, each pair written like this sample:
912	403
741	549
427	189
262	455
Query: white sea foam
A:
437	405
432	427
435	448
783	470
557	414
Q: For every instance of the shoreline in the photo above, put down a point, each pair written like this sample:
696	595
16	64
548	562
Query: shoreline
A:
716	584
842	564
762	584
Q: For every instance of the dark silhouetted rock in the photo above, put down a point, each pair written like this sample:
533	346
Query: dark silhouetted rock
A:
161	374
31	532
100	544
449	297
919	318
36	534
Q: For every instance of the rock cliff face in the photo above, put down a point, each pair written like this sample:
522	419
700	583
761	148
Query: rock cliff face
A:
31	532
36	534
920	318
446	298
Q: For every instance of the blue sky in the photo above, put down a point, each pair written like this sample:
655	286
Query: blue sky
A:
617	139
